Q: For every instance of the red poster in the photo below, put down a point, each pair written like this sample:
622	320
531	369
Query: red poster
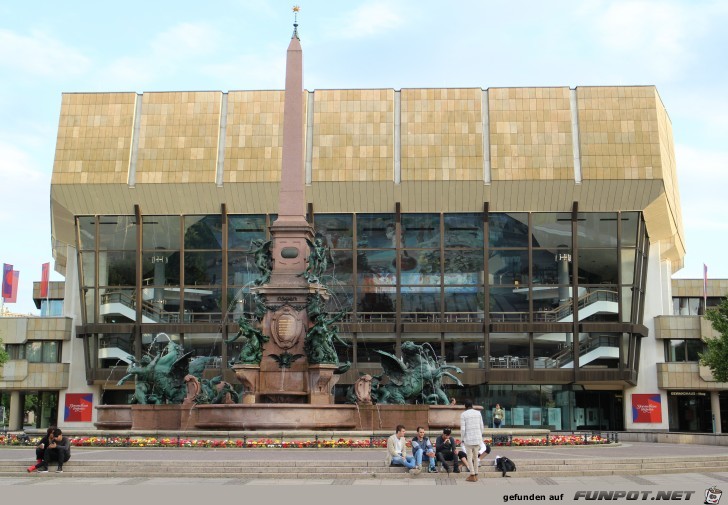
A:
78	407
45	273
647	408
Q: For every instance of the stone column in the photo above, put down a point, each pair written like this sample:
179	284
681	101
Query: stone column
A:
15	418
715	409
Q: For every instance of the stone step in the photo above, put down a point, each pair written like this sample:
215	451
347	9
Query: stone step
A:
351	469
242	474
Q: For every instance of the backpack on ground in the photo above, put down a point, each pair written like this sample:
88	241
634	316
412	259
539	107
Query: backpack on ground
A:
504	465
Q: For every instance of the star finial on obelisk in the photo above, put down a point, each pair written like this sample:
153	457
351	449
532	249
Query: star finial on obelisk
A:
296	10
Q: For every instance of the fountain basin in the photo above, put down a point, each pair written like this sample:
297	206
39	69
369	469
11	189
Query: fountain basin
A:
272	416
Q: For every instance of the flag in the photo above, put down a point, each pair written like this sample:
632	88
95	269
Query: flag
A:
44	280
705	287
7	280
14	292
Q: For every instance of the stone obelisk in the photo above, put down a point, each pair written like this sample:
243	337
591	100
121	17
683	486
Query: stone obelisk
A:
284	374
290	230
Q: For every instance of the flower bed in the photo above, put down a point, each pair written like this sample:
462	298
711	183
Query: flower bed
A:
257	443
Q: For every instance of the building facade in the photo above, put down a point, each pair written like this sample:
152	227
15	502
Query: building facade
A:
527	235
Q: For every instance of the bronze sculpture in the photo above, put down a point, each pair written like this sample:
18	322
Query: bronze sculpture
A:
415	378
252	351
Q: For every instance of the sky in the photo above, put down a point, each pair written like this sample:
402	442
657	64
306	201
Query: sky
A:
50	47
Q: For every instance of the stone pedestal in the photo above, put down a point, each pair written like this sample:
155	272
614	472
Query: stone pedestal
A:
321	382
248	375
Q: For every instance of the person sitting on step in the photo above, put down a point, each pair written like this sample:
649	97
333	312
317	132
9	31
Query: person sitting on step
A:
446	451
423	450
397	451
40	449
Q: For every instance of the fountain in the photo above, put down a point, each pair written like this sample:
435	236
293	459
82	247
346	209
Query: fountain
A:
288	365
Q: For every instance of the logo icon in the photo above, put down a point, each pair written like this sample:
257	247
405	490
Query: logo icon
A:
712	496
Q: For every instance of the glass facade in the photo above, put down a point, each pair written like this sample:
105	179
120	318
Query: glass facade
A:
499	293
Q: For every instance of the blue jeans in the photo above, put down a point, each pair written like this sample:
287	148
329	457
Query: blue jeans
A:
409	461
420	455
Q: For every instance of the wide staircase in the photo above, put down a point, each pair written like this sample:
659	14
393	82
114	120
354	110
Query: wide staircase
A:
166	465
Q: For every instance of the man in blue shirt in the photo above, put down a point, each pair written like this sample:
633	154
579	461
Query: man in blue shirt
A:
422	449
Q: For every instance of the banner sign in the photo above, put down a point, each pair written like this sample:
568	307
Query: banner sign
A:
79	407
646	408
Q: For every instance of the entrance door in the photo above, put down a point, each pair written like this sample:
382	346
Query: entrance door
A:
690	411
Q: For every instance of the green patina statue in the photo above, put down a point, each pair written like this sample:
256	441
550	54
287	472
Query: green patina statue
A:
263	260
318	260
319	342
415	378
252	351
165	378
285	359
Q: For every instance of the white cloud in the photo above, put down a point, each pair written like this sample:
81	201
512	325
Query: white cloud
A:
40	54
367	20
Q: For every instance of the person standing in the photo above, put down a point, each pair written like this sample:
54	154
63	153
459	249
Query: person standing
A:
498	416
471	433
397	451
422	449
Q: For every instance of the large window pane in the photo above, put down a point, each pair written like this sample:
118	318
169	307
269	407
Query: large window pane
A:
552	266
380	299
551	230
597	229
508	304
117	232
242	230
241	269
336	229
203	232
113	345
599	350
464	300
34	352
376	267
552	350
117	305
675	350
694	348
463	267
628	259
368	343
464	230
88	266
509	350
50	352
117	268
508	267
419	301
203	305
341	269
508	229
597	266
630	225
375	231
87	232
421	230
160	267
626	304
463	349
203	268
160	232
